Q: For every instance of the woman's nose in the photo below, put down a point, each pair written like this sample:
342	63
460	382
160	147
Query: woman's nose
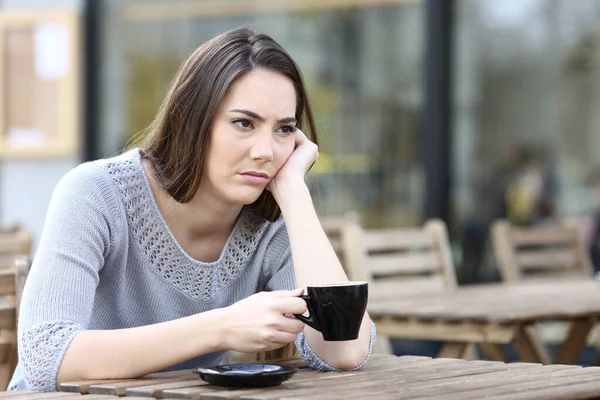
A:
262	148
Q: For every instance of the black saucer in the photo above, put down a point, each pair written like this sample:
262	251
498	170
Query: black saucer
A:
246	375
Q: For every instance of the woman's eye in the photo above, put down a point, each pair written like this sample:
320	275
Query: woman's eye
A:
287	129
243	123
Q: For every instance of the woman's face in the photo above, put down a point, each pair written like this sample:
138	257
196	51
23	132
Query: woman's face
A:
252	136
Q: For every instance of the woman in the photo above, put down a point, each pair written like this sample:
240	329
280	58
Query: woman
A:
171	253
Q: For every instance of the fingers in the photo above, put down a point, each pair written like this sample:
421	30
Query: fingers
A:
282	338
291	305
300	137
291	325
285	293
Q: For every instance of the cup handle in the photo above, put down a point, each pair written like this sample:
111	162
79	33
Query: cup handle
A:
308	320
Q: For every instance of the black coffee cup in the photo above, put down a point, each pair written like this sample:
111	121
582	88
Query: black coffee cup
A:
336	309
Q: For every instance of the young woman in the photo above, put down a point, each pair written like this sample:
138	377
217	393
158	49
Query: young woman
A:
192	244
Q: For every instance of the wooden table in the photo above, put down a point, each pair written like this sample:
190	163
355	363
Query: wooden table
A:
386	377
493	315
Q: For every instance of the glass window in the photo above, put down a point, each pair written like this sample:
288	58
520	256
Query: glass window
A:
527	94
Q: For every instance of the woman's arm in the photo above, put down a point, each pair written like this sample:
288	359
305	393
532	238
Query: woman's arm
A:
257	323
313	256
130	353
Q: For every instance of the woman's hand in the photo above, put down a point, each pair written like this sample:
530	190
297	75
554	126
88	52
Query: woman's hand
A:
259	322
293	171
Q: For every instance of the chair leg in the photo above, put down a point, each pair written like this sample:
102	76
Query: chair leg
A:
466	351
529	346
493	352
575	342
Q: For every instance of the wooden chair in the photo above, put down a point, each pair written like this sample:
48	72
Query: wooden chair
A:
551	251
286	353
12	281
399	263
333	227
13	241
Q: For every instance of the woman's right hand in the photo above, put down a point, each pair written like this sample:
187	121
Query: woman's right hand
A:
259	322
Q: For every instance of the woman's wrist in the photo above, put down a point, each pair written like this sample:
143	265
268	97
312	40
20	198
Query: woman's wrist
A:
211	331
291	193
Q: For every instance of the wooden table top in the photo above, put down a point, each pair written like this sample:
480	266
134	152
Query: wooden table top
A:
499	303
386	377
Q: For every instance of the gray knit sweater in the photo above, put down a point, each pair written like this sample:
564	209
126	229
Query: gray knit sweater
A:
107	260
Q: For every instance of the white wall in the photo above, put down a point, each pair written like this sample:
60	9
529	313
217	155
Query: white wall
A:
26	184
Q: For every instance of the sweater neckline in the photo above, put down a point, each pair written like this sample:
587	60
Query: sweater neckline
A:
149	230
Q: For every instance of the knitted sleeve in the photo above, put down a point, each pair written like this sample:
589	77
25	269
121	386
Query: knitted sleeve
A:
282	278
59	293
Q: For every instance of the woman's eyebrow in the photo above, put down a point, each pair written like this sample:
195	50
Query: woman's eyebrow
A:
258	117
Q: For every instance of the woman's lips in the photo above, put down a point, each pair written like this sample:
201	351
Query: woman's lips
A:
256	178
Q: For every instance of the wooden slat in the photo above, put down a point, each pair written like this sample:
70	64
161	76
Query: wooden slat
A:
532	389
449	384
547	259
157	390
386	239
395	287
458	387
43	395
410	263
8	317
15	393
119	389
569	390
465	332
83	387
7	282
541	236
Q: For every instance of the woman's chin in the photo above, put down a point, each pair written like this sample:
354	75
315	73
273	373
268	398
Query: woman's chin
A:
248	197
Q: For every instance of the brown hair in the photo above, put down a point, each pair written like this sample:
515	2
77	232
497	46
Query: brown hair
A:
178	138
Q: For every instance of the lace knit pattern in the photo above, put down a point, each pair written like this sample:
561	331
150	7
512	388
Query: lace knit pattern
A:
199	281
44	346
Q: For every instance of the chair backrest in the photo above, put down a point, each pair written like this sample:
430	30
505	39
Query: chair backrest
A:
14	241
549	251
333	227
12	281
401	261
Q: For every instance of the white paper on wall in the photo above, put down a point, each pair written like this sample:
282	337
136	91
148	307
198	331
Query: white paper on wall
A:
24	138
51	43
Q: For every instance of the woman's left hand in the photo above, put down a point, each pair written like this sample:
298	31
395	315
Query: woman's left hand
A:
293	171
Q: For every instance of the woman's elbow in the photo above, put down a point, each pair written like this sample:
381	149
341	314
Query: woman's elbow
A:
352	360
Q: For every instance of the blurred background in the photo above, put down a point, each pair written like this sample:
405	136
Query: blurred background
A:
465	110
